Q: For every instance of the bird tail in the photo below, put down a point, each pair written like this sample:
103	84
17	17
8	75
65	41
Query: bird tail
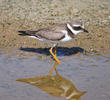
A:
24	33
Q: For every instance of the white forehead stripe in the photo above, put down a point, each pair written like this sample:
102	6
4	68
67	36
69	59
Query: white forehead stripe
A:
72	30
72	94
76	25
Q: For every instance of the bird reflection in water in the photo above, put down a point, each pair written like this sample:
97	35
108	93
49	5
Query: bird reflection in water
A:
55	85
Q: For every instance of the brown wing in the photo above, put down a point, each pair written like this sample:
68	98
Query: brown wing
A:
50	35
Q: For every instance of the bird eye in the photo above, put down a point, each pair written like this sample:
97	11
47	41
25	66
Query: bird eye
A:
77	28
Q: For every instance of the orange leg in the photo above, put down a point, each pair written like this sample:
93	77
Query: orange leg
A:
54	56
55	50
53	68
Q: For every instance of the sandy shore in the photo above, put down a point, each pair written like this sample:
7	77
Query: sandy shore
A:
36	14
86	71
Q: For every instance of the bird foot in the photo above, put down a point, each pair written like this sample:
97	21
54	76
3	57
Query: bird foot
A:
54	56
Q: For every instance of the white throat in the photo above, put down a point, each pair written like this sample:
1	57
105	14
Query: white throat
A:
72	30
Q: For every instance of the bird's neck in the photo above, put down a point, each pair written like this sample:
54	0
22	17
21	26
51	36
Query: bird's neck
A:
72	30
69	32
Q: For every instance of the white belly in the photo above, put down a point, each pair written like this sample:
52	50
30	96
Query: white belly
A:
67	37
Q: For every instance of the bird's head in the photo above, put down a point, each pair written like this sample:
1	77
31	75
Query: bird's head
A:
76	96
76	27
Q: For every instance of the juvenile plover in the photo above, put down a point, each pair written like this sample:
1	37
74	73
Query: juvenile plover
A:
56	34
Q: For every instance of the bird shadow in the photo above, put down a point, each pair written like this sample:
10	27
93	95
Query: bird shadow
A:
61	51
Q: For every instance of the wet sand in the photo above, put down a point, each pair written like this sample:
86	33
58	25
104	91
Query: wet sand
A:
36	14
22	57
87	73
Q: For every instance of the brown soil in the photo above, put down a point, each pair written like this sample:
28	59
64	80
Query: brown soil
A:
35	14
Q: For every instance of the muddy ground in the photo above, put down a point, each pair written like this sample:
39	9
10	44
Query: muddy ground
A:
88	71
36	14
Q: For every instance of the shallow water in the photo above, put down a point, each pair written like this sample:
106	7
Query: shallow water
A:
91	74
87	73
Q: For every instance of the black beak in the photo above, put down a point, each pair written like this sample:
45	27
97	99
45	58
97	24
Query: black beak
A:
85	30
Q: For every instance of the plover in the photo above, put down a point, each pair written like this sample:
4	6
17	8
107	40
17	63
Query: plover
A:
56	34
55	85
